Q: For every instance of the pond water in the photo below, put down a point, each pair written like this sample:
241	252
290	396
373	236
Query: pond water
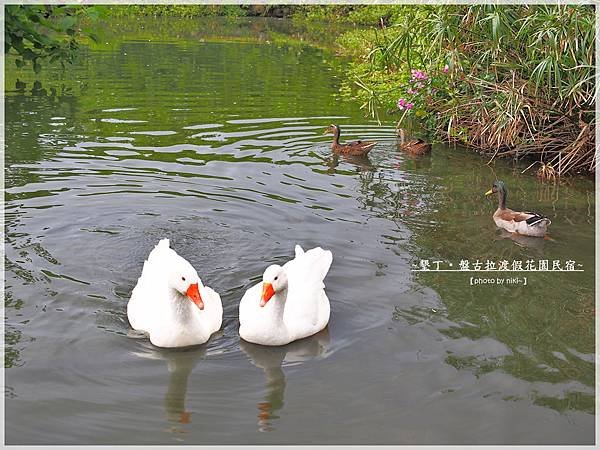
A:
217	144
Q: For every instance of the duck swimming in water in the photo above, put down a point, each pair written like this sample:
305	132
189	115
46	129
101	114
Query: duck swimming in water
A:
413	146
525	223
356	148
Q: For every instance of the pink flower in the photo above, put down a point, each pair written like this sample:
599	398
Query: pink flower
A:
417	75
403	104
445	69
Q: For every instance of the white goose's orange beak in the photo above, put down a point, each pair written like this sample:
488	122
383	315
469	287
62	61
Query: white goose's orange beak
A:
194	295
267	293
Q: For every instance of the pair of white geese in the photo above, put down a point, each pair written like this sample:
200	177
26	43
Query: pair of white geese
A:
171	304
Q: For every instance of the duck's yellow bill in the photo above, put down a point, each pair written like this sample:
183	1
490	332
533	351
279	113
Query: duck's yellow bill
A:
490	192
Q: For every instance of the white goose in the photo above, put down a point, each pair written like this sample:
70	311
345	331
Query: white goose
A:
170	302
290	303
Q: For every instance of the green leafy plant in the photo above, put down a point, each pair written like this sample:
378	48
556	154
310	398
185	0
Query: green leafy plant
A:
34	33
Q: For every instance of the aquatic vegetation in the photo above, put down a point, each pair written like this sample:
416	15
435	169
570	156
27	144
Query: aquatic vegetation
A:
506	80
546	172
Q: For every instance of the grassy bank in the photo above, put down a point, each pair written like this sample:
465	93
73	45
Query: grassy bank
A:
357	14
512	81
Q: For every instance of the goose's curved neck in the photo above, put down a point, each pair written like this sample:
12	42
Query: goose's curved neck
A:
180	305
278	301
275	307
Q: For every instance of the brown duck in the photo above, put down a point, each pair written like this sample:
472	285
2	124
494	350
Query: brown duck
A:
414	146
356	148
525	223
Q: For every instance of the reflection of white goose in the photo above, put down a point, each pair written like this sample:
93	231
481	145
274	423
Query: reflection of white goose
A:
180	364
170	302
270	359
293	303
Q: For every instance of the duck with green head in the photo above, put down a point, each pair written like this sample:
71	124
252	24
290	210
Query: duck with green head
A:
525	223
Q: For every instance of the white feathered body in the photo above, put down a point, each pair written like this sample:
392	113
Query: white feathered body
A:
306	306
524	223
171	319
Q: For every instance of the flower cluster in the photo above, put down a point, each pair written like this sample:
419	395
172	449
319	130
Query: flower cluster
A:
417	82
419	91
418	75
403	104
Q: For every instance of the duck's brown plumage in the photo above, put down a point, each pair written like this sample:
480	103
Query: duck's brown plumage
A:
356	148
414	146
517	216
521	222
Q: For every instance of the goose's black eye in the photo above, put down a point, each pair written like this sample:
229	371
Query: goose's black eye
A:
276	278
183	278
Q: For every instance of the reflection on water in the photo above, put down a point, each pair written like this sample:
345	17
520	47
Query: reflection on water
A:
524	241
270	360
180	364
180	138
362	162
